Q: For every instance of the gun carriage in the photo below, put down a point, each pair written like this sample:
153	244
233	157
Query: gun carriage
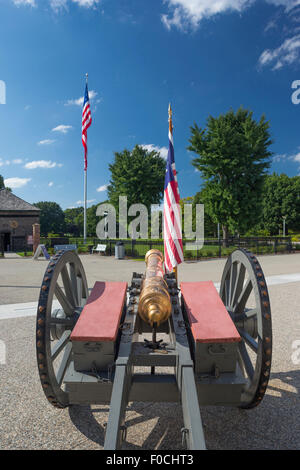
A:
218	346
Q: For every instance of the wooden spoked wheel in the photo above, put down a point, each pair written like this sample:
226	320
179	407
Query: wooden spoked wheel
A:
244	293
63	294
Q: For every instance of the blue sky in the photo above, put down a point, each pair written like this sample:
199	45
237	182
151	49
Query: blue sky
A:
204	56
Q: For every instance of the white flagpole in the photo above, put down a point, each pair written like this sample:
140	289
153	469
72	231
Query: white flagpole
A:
85	194
84	211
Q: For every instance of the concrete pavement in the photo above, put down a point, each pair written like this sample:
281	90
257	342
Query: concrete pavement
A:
28	421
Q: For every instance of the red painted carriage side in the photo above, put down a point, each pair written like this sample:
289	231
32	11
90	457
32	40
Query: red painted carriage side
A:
100	318
210	322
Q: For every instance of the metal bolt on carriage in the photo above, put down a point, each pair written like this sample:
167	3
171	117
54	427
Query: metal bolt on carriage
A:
154	341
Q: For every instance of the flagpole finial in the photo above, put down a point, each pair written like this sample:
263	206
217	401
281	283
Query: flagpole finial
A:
86	77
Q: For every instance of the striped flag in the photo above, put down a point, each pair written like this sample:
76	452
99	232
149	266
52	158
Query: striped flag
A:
86	122
172	221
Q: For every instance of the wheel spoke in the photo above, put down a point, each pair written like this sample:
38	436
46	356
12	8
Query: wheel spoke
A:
64	364
62	321
242	300
239	284
252	312
64	302
246	360
232	282
227	292
248	340
79	290
73	278
246	315
59	346
68	286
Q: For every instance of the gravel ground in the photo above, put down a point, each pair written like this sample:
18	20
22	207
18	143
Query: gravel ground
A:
28	421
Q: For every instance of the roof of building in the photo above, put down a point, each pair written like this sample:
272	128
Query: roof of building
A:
11	202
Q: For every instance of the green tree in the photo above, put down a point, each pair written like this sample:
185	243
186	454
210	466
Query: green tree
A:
52	218
2	185
74	221
138	174
210	228
281	198
232	158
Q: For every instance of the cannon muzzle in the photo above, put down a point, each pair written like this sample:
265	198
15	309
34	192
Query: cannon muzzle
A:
154	304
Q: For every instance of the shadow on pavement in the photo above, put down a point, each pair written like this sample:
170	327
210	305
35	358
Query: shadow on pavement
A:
272	425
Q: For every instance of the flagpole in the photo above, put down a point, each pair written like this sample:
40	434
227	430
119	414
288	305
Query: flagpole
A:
85	192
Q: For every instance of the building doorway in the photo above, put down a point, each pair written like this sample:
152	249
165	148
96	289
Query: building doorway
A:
6	241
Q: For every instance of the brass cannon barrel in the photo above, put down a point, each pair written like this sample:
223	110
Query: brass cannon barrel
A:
154	304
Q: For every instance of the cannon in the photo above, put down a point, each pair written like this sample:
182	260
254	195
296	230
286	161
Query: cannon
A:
154	341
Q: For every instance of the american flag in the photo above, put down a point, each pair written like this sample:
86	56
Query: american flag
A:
172	221
86	122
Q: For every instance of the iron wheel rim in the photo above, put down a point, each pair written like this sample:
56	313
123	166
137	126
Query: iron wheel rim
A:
243	277
73	296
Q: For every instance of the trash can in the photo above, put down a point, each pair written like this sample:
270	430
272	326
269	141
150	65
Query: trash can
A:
119	250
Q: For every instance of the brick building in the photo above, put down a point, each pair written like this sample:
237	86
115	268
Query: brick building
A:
16	220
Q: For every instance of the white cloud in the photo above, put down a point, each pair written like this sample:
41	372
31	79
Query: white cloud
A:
279	157
185	13
86	3
16	182
88	201
50	184
62	128
16	161
41	164
79	101
46	142
286	54
30	3
163	151
288	4
58	5
296	157
102	188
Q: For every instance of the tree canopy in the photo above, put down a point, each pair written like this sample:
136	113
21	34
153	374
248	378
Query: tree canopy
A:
138	174
281	198
232	157
52	218
2	185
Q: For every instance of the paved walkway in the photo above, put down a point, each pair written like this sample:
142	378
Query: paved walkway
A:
10	255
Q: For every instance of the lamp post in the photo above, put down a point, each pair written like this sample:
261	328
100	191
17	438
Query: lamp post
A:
284	217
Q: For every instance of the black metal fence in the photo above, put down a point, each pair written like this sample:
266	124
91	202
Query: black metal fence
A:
212	248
